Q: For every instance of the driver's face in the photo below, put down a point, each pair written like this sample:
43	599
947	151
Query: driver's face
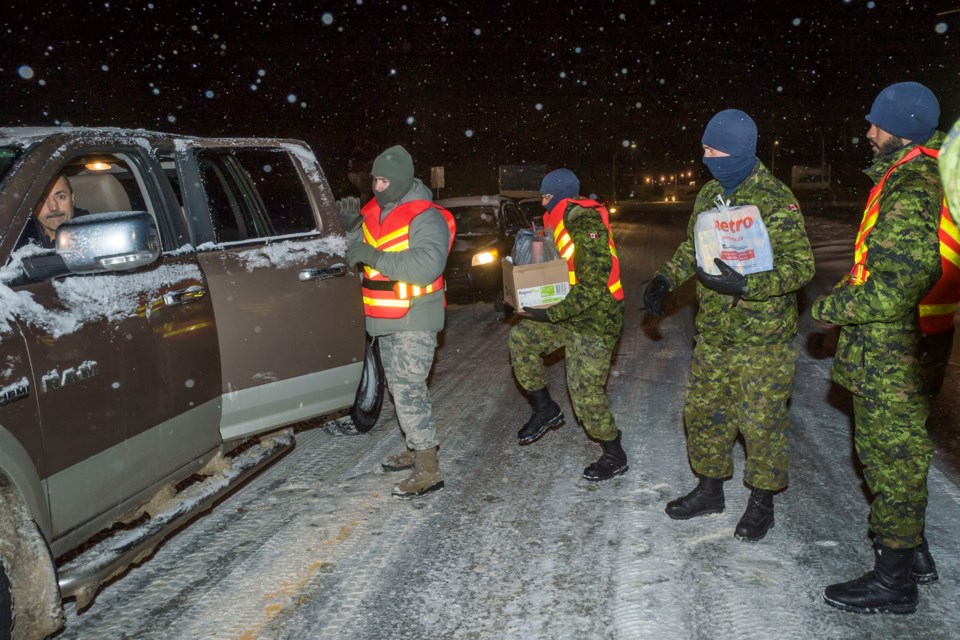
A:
56	208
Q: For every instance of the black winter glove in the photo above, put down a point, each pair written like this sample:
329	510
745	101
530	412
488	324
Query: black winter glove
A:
349	210
729	282
537	315
653	297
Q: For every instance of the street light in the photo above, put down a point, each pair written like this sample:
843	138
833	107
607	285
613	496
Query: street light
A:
773	155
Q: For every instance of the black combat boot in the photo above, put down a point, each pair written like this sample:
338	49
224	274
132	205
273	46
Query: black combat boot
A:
706	497
612	463
758	518
924	570
546	415
886	589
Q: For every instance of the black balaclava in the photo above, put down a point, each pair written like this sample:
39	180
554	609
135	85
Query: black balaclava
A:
731	131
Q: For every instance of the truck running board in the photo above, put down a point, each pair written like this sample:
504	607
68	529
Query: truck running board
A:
82	576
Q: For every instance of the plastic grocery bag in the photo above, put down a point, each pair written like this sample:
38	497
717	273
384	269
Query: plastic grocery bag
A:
532	247
736	235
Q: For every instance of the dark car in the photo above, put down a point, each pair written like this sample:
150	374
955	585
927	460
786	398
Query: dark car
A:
486	229
532	209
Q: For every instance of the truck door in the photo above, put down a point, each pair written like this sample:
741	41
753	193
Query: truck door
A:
21	448
288	308
126	363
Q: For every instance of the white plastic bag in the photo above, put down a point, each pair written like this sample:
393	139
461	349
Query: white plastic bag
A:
736	235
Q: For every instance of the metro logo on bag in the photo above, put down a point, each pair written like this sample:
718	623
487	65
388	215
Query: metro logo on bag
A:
736	235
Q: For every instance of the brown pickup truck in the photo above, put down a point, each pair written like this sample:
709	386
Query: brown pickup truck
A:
169	307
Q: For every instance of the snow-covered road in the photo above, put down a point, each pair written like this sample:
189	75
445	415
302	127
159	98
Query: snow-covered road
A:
518	545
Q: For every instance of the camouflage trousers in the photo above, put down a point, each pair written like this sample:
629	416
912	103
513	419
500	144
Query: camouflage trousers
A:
407	357
745	389
895	450
588	363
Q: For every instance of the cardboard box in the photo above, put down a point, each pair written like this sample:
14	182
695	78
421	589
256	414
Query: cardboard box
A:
535	285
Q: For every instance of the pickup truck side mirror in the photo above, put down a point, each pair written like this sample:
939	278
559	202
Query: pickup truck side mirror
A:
115	241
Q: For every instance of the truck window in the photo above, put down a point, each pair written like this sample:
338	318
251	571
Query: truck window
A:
7	157
254	193
95	183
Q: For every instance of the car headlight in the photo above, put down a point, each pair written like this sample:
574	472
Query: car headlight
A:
484	257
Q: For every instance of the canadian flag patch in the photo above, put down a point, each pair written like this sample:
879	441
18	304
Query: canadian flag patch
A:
593	236
793	207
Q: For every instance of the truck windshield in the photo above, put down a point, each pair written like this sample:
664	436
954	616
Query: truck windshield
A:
7	157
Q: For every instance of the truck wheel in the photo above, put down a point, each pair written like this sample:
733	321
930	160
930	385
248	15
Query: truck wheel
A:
369	400
28	580
6	605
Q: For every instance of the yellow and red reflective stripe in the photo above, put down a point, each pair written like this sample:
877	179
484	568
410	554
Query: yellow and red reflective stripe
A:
938	309
402	231
949	238
567	249
385	302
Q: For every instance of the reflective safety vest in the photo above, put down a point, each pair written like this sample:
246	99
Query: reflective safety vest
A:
383	297
940	304
554	220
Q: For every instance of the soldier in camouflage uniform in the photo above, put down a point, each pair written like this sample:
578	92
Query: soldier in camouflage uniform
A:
587	322
743	359
878	354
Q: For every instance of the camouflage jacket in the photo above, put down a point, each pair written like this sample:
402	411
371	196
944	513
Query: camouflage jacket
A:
767	314
589	307
878	346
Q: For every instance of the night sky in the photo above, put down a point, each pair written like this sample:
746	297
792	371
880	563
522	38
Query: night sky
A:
471	85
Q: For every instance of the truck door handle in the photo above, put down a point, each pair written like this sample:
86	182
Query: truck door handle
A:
323	274
184	296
